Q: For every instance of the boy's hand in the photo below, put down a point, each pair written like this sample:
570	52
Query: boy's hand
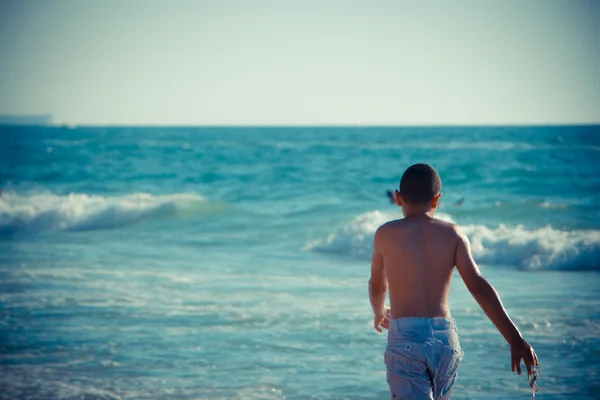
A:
520	349
382	320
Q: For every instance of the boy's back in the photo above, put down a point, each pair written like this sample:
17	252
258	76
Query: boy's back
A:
419	257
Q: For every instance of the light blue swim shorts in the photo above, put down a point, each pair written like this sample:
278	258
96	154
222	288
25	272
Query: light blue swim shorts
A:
422	358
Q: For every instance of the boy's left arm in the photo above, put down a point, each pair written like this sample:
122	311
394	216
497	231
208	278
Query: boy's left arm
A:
378	285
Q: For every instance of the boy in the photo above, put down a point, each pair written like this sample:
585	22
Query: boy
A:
415	257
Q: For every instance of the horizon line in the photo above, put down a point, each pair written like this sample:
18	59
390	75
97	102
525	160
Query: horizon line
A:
229	126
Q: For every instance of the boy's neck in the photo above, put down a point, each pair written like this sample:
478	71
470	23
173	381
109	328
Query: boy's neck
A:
418	212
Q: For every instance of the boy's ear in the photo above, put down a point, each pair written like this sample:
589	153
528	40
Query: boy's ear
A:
435	201
399	199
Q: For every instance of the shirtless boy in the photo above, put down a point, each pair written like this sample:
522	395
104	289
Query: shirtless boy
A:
414	258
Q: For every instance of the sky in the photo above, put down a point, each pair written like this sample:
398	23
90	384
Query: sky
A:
305	62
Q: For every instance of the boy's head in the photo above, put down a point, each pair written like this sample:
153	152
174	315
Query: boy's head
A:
420	185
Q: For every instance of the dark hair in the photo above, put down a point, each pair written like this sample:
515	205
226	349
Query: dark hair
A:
420	183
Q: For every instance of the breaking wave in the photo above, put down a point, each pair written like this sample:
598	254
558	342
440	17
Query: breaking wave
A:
534	249
80	211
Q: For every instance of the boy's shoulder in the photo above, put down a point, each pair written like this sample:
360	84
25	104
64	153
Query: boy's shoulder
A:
395	228
391	226
446	224
400	223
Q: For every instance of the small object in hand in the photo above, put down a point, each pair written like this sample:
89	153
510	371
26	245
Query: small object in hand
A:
532	382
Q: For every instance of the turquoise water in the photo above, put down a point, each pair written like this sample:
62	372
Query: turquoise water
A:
219	263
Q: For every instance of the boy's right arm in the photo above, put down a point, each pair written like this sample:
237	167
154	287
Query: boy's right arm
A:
487	297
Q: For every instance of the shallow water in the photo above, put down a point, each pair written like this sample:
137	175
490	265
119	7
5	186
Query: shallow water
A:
197	263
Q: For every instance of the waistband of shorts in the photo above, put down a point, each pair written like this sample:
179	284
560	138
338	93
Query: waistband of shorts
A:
420	322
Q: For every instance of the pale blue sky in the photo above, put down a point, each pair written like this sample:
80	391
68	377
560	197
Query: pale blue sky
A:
302	62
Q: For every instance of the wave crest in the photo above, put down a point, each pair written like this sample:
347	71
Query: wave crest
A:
80	211
534	249
544	248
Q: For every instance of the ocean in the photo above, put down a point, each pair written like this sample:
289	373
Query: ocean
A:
221	263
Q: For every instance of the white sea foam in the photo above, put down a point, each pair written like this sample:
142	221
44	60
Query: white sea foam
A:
543	248
80	211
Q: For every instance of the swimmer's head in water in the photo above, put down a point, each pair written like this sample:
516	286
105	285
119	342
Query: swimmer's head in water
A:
420	184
